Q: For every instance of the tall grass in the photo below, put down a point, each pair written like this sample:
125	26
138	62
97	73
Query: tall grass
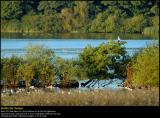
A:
11	26
137	97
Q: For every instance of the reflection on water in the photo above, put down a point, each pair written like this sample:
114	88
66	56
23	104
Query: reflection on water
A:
73	36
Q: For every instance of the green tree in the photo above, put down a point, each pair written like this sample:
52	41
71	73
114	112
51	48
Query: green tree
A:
42	59
146	67
112	24
67	16
81	13
135	24
52	23
75	18
98	24
9	70
137	7
155	10
25	72
31	22
11	10
47	7
95	60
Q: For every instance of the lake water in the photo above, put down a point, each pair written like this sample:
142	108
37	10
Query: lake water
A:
65	45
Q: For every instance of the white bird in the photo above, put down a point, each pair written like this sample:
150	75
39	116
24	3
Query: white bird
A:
12	91
62	92
49	87
119	39
31	87
69	93
128	88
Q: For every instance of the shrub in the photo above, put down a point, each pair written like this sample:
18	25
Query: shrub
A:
146	67
9	67
41	60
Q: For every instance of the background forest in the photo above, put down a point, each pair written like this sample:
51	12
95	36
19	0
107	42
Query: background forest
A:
80	16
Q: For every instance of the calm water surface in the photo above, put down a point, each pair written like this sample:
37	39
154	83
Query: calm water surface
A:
65	45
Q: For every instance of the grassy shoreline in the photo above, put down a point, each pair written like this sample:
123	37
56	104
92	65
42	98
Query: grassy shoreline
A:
137	97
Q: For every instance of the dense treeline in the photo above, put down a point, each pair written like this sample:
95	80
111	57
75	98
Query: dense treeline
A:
80	16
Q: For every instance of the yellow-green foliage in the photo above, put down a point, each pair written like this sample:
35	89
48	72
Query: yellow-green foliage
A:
10	26
154	29
41	60
146	67
9	67
135	24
